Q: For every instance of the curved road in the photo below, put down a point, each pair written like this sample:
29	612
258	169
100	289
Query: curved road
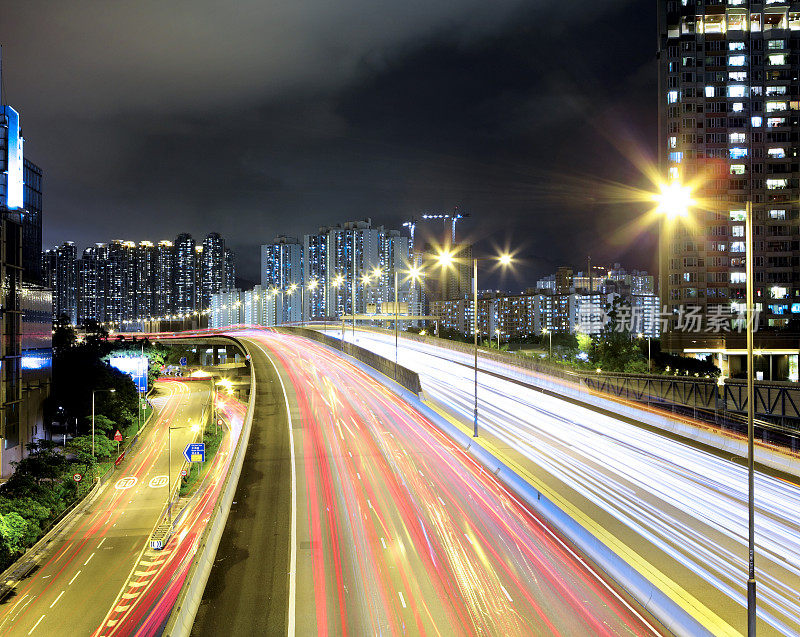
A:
397	530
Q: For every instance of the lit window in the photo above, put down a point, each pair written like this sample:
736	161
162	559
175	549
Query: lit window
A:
737	91
778	292
777	214
776	90
777	184
755	121
794	21
737	76
772	122
737	107
737	246
738	153
672	142
736	60
737	231
737	169
776	58
738	277
736	138
736	46
776	153
776	44
771	107
709	91
738	215
672	97
676	157
674	173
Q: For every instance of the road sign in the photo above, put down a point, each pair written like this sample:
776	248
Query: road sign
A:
118	436
219	421
183	361
195	452
77	477
184	473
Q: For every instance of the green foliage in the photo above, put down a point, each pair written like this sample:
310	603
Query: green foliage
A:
13	530
64	336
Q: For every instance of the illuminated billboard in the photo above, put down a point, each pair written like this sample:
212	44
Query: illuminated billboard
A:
133	366
14	190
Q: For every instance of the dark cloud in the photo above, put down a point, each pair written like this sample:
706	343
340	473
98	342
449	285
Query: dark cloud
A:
251	119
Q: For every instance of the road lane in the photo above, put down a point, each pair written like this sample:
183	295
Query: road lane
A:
72	590
688	505
399	531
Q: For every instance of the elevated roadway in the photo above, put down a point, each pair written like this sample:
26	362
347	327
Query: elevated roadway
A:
677	511
357	516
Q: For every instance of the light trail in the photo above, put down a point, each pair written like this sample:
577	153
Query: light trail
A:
405	533
690	504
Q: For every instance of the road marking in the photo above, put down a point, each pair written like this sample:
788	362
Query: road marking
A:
293	551
402	599
73	577
383	543
358	474
507	595
36	624
55	601
87	561
126	483
101	542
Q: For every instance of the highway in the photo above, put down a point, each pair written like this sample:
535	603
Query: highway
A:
395	530
682	509
86	566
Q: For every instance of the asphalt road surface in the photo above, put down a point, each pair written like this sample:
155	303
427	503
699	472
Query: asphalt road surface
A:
81	575
397	530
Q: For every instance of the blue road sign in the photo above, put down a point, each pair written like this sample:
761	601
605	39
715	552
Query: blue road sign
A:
183	361
195	452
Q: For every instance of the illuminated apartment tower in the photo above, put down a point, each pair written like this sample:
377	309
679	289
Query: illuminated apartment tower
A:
729	118
185	274
281	269
145	280
121	281
91	284
164	285
212	268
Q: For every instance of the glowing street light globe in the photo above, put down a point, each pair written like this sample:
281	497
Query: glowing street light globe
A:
674	200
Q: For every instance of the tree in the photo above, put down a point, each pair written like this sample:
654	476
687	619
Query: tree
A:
613	349
13	530
63	333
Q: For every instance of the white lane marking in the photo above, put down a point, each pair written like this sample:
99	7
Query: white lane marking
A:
87	561
468	538
293	553
36	624
55	601
383	543
402	599
507	595
101	542
358	474
73	577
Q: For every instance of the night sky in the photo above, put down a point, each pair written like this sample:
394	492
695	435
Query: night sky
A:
258	118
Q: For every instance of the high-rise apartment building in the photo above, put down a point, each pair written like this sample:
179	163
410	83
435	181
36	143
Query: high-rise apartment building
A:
146	270
729	124
212	268
164	284
185	274
282	271
91	284
230	269
65	300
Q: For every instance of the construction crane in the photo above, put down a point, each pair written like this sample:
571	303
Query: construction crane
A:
411	225
454	218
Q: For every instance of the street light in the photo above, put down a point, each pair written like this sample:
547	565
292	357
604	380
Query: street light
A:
446	258
641	335
674	201
550	334
497	332
110	391
194	428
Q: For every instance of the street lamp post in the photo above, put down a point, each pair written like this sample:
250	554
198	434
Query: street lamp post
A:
550	334
497	332
750	315
194	428
447	259
110	391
